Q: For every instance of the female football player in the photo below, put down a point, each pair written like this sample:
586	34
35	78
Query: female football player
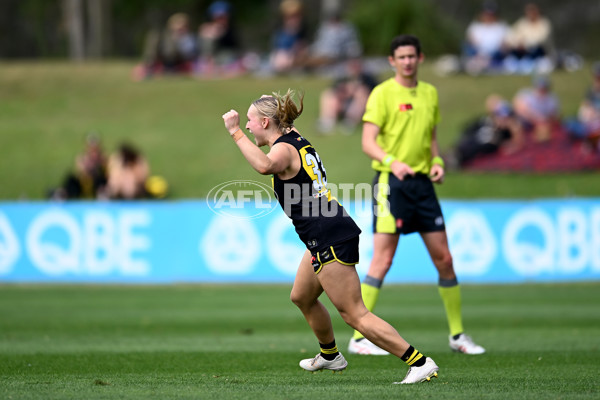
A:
328	232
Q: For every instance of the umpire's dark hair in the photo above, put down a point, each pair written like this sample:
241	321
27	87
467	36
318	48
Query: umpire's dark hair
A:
405	40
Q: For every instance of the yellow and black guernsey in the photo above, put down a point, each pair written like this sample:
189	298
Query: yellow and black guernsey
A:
319	219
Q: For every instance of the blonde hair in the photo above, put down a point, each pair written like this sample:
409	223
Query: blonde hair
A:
281	109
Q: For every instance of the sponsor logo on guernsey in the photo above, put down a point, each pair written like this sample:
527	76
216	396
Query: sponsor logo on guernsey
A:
405	107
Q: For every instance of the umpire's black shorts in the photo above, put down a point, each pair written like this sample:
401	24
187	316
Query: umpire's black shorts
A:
410	205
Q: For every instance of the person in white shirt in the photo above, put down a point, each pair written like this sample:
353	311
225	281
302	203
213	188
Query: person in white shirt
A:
485	41
530	41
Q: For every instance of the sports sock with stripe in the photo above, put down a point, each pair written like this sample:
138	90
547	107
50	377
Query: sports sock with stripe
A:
329	351
413	357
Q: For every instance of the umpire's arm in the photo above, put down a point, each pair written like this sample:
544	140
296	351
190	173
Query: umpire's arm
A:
373	150
437	170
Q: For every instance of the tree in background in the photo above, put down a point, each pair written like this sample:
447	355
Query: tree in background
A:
116	28
88	27
393	17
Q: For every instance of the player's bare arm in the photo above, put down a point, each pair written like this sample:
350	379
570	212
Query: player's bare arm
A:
277	161
373	150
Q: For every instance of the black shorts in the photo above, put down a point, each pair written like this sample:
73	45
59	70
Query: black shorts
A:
411	205
345	253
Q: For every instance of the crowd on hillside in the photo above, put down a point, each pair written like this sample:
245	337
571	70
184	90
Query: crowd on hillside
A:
532	122
493	46
122	175
510	128
214	48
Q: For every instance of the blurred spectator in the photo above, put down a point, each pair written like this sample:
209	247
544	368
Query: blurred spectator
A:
485	41
290	39
88	179
538	108
498	129
530	43
127	174
219	43
336	41
90	168
172	51
587	124
346	99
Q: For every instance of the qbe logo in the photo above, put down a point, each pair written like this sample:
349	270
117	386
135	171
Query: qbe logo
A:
242	199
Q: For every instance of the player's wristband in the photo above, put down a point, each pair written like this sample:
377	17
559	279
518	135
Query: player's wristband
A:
388	160
439	161
237	135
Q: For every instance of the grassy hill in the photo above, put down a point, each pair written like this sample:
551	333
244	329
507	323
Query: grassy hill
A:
47	109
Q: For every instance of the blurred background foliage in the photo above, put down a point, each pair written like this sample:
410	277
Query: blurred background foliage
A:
116	28
438	33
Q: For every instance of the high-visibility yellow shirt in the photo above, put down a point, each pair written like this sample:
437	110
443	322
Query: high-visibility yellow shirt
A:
406	118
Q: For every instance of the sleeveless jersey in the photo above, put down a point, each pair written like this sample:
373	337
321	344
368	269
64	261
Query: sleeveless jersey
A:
319	219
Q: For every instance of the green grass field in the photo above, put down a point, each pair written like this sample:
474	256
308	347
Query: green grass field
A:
244	342
47	109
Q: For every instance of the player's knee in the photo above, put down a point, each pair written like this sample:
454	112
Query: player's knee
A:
348	318
444	263
294	298
447	261
299	300
352	318
380	265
